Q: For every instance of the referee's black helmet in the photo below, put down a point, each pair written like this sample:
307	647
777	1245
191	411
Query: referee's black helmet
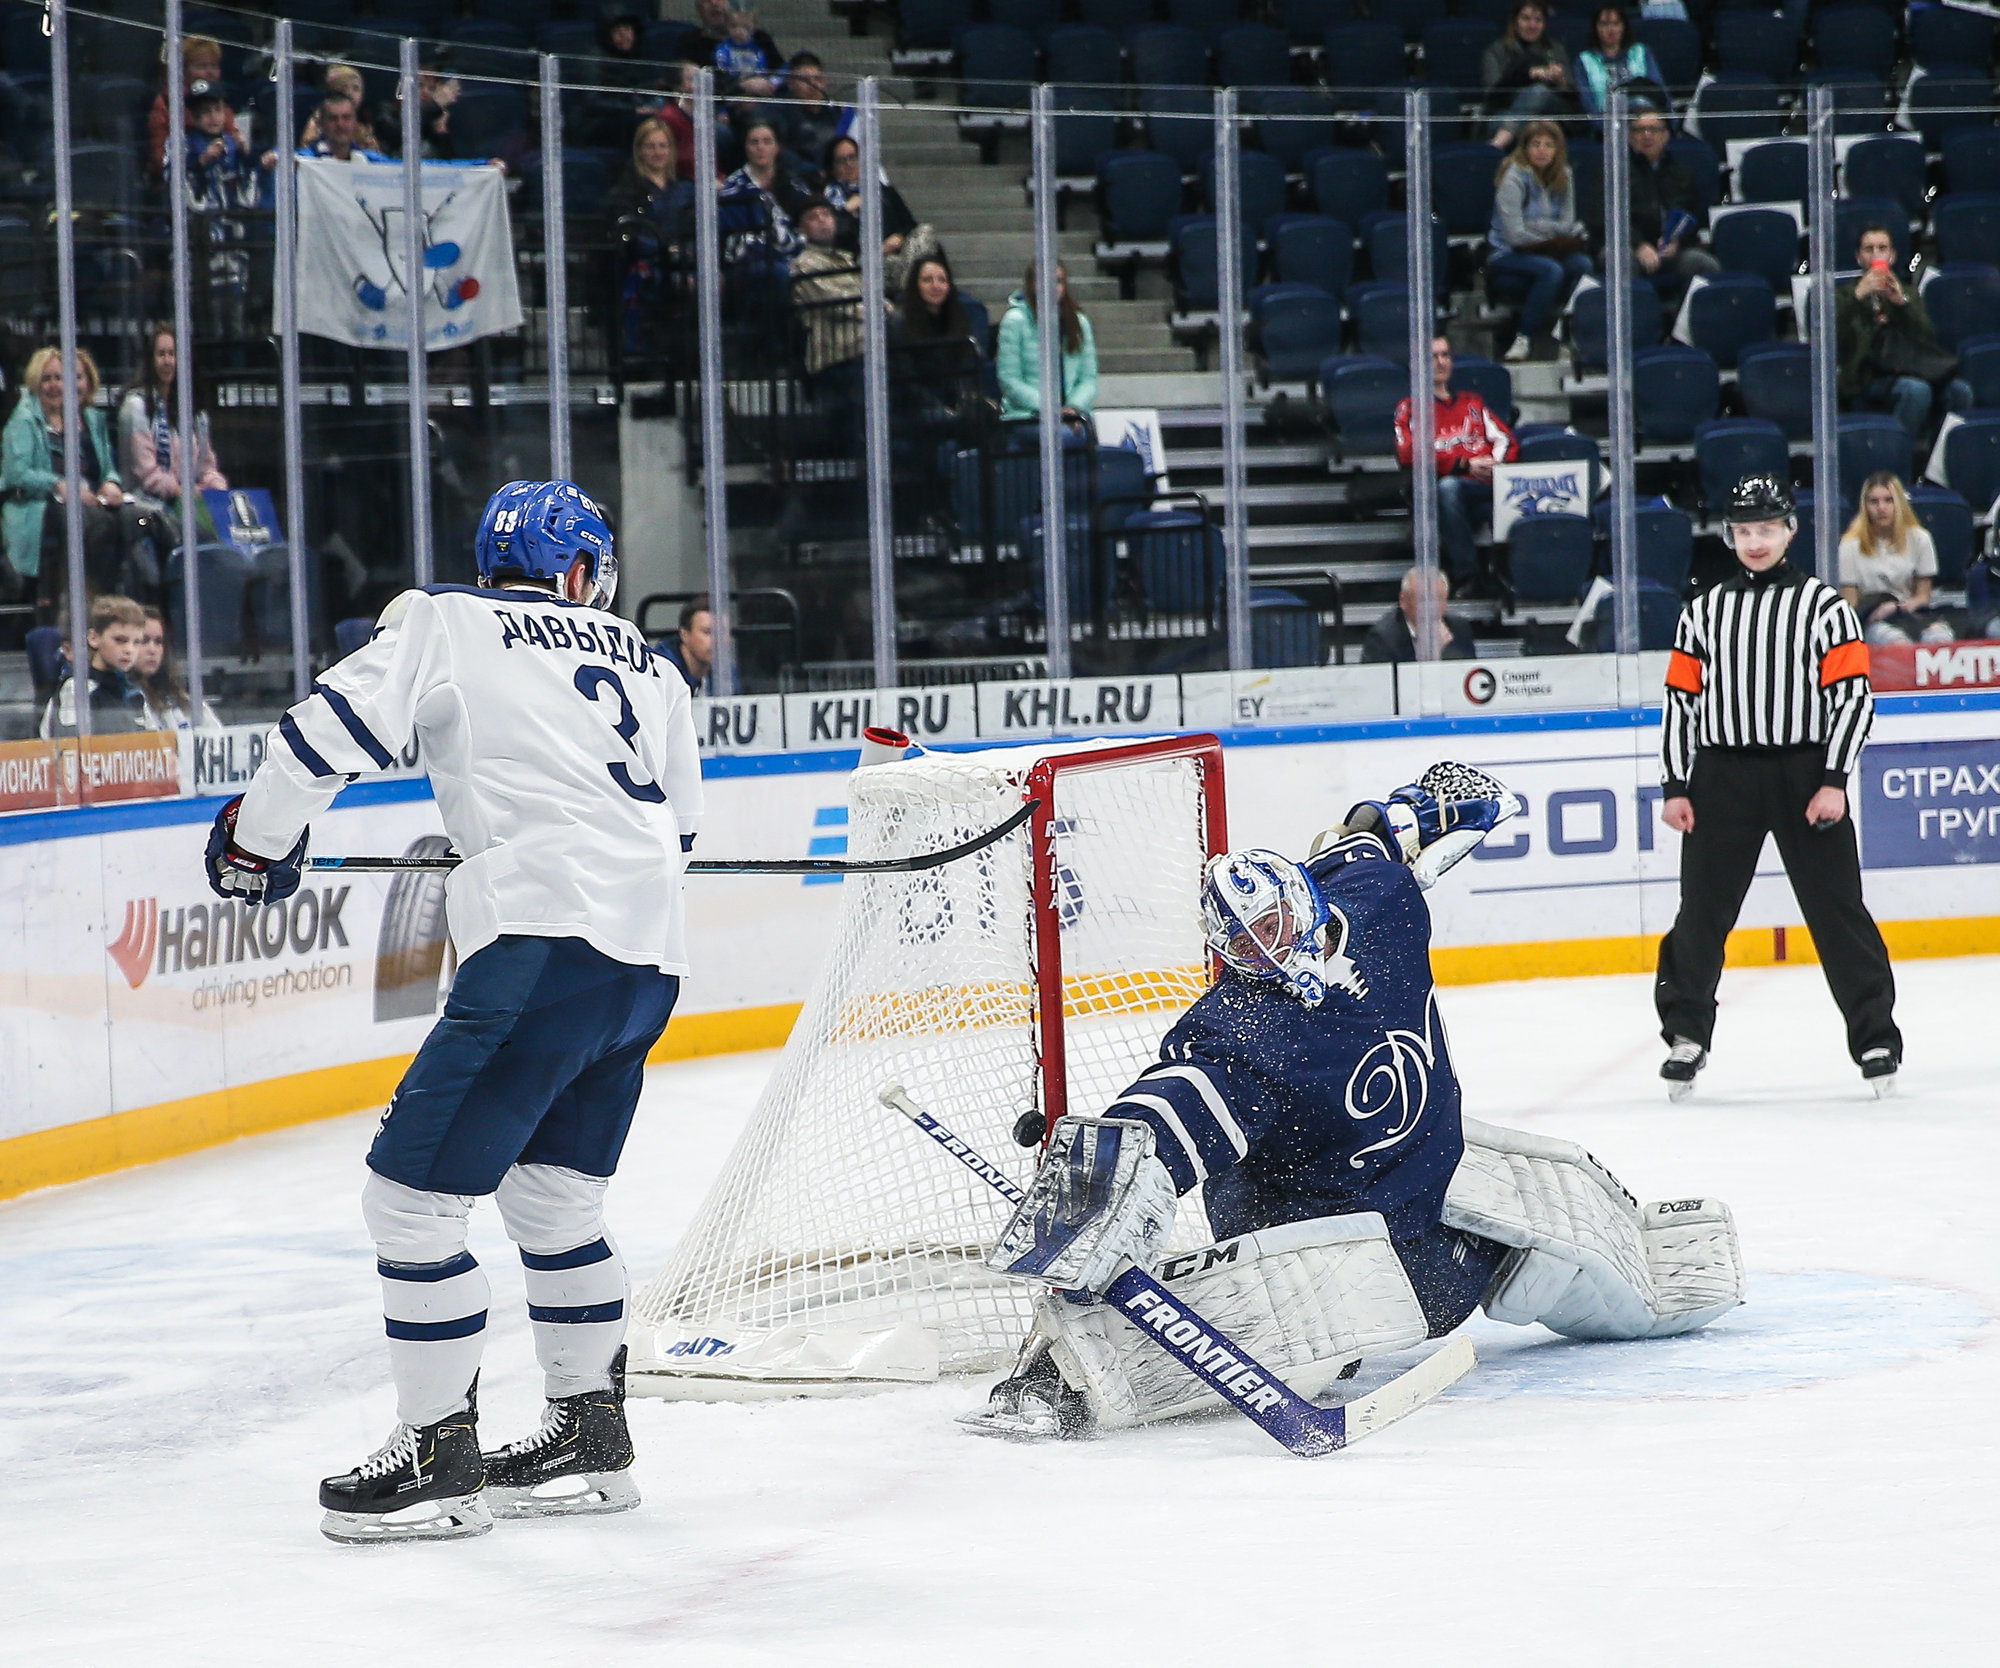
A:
1760	498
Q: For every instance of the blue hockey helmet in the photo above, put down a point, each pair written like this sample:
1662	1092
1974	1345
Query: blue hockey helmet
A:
1265	917
538	528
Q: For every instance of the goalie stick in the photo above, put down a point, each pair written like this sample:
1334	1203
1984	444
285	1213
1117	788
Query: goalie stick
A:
1255	1392
741	865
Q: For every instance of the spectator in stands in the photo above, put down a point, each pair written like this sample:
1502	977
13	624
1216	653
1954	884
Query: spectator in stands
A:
1664	230
1470	441
765	178
32	449
1394	636
841	171
150	453
1525	73
117	703
933	324
701	44
168	706
201	60
1887	564
344	80
1019	358
692	647
337	126
437	92
620	79
676	112
652	183
827	295
1890	356
1536	238
1614	59
746	59
812	120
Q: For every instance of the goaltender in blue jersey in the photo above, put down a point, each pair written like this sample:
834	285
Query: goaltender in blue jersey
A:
1310	1096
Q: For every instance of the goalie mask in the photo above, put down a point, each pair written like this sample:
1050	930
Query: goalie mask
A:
1264	916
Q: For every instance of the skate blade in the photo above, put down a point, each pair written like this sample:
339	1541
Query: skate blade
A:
431	1520
1012	1427
1884	1087
583	1494
1681	1090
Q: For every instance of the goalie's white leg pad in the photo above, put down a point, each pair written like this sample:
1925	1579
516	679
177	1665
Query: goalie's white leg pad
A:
1589	1263
1305	1300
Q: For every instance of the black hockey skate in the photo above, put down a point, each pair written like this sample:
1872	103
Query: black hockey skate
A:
423	1484
1684	1059
579	1461
1035	1404
1878	1070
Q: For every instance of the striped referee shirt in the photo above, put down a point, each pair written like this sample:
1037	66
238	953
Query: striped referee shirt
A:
1772	659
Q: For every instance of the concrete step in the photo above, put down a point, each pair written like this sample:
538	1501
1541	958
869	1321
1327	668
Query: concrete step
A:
1119	363
975	247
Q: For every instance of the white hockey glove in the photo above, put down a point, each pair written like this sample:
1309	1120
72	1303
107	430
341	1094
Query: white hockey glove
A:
1435	821
1099	1200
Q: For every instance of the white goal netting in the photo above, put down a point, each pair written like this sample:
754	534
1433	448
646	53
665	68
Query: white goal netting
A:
840	1246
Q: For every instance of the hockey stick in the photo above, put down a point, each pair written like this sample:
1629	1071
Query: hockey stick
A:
739	866
1225	1367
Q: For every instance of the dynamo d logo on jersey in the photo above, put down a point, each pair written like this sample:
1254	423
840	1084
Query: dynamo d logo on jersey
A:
233	947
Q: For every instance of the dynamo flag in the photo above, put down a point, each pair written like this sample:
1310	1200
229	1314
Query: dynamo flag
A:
352	285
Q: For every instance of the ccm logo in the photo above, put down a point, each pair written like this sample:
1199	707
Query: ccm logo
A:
1674	1207
1176	1268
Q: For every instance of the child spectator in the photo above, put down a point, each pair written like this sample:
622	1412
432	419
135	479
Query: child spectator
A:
1470	441
117	703
168	706
201	60
222	183
746	59
1887	563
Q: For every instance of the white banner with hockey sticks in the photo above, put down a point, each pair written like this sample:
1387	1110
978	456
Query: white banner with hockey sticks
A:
353	286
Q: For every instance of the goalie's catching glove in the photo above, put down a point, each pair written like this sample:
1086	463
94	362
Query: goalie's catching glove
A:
1101	1199
235	873
1435	821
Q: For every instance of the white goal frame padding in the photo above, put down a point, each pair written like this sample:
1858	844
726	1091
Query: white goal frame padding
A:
838	1250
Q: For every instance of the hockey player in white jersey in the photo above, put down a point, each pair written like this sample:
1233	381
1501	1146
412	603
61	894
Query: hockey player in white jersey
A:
1310	1096
562	753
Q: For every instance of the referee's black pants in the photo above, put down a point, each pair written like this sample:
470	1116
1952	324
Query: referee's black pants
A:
1740	795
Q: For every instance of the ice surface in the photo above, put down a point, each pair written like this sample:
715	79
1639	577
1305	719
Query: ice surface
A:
189	1347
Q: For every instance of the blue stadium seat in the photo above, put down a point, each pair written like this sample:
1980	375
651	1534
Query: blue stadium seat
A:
1196	277
527	15
1675	389
1972	158
1252	55
1348	184
1763	241
1388	248
1311	249
1556	444
481	46
1665	549
1586	177
1168	55
1676	46
1659	616
1119	16
1138	195
1853	215
1260	188
1730	311
1942	37
1204	17
1364	55
567	39
1972	459
1860	101
931	26
487	116
997	67
1549	558
1589	334
586	181
1948	518
1774	381
1381	321
1887	165
1293	126
1180	123
1854	37
1082	55
1385	128
1967	224
1941	104
1755	43
1084	130
1962	301
1411	16
1454	49
1285	630
1869	441
1979	364
1307	21
1702	161
1773	172
1738	106
1361	395
1296	332
1491	381
1034	17
1731	447
1802	540
1177	556
1462	185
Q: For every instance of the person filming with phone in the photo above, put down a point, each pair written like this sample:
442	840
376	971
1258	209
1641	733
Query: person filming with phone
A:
1890	356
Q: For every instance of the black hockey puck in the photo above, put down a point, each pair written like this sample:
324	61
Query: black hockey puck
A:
1029	1129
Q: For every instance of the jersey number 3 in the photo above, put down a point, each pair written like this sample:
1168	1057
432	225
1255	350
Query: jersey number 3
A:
590	680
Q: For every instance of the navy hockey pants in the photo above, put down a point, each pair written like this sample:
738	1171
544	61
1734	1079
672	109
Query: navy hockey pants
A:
538	1060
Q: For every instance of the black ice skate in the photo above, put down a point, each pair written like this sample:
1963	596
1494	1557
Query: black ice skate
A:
1035	1404
1878	1070
579	1461
1683	1060
423	1484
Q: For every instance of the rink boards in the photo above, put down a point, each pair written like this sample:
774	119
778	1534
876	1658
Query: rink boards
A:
141	1017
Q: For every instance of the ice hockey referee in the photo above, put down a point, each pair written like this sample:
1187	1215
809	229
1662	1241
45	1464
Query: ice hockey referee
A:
1767	707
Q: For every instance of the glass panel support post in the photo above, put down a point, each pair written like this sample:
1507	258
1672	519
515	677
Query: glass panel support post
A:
1048	326
708	324
875	391
1229	327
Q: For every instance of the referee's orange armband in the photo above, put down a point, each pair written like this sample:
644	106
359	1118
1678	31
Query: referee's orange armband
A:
1684	673
1843	660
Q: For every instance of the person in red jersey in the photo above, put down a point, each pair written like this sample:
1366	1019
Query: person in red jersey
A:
1470	441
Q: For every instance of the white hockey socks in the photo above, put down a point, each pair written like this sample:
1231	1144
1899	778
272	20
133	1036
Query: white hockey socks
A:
575	1276
434	1296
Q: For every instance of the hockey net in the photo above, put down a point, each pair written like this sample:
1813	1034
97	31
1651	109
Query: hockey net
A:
840	1248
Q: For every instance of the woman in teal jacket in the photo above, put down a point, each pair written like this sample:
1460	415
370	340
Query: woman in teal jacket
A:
1019	360
31	480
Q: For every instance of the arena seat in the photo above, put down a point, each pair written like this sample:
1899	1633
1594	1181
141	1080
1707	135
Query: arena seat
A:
1729	311
1675	389
1361	393
1774	381
1731	447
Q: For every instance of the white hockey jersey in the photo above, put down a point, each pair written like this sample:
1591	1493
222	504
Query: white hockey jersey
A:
560	747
